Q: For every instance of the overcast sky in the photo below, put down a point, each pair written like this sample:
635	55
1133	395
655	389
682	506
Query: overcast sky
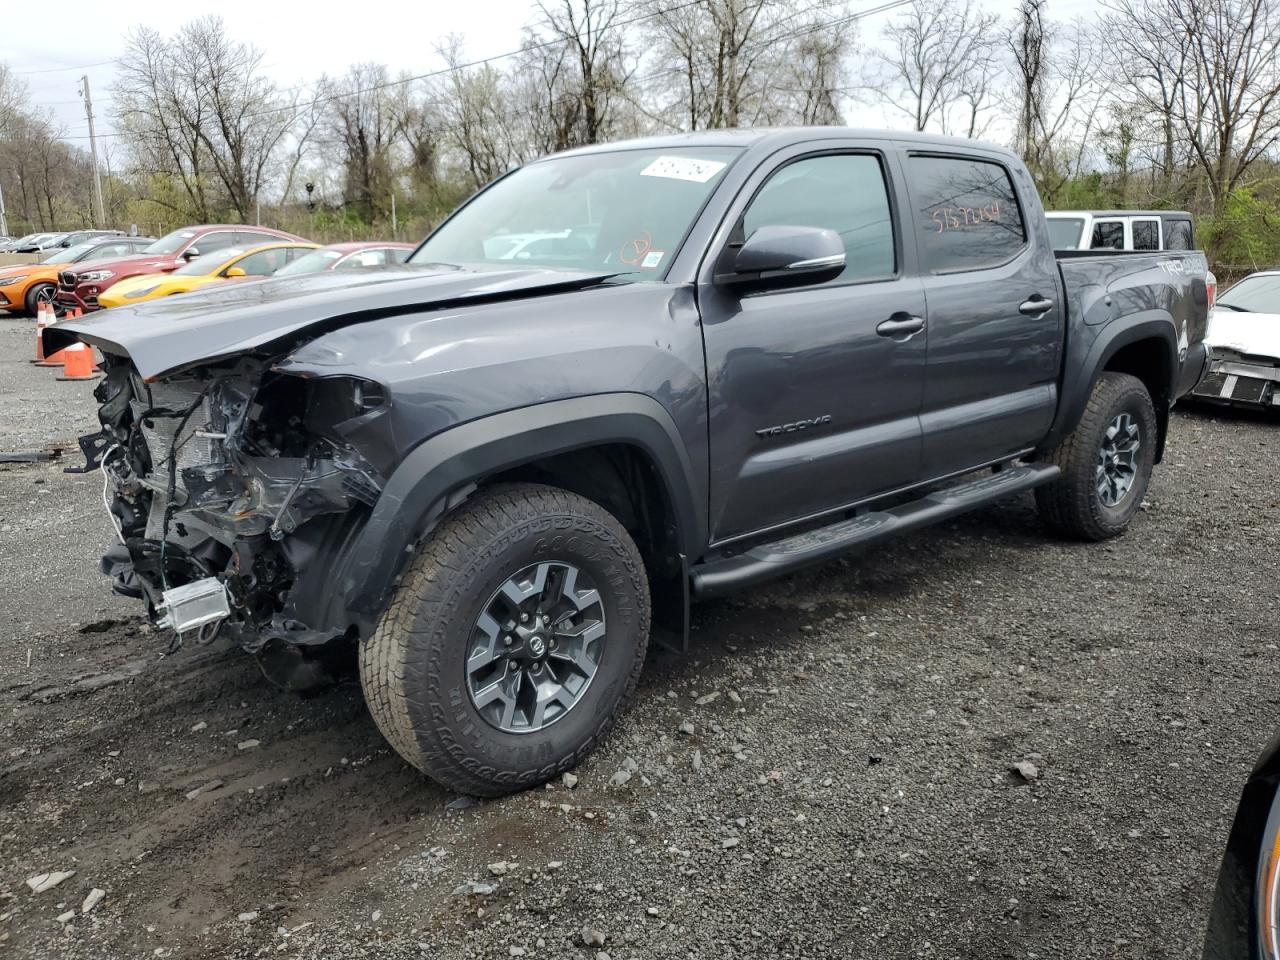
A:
51	48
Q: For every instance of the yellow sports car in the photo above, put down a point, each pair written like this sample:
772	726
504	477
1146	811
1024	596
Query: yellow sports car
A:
231	263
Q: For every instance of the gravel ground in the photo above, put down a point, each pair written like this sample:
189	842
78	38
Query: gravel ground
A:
827	774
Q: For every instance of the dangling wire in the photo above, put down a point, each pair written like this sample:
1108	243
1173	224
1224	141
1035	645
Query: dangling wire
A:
106	483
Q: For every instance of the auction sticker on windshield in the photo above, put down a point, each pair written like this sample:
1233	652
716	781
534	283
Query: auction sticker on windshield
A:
683	168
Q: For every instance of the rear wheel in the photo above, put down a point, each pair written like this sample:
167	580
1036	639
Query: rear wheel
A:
1106	462
40	293
513	642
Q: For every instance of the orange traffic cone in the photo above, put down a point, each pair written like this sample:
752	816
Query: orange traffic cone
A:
77	362
41	322
57	358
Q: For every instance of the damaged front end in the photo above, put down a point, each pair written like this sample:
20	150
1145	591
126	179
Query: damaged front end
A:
231	488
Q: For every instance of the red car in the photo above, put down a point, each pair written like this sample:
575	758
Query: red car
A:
81	289
349	256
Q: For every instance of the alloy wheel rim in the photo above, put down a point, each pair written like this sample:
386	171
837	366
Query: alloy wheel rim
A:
1118	459
535	647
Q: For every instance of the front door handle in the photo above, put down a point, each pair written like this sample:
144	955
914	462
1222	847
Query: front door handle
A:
901	326
1036	306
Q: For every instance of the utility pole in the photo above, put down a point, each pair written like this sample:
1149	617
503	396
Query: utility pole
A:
93	149
4	223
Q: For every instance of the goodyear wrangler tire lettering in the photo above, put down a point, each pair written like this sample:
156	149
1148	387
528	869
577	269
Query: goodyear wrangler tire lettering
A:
414	667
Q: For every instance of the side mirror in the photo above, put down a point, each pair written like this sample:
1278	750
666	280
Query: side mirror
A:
190	254
232	272
783	256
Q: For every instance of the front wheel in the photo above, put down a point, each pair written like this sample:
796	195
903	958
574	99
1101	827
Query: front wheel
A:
1106	462
40	294
513	642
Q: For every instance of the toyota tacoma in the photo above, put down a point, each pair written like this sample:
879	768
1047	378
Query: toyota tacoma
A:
731	355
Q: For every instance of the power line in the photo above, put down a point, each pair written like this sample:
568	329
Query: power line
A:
802	31
79	66
453	68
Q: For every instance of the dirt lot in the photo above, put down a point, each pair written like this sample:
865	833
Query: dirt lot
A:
846	790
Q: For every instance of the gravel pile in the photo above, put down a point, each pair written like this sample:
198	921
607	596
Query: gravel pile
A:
976	743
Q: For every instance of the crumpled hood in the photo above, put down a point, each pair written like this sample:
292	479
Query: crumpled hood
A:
1253	333
163	336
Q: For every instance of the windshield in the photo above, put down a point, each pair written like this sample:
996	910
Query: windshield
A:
1257	294
1064	232
625	211
209	263
68	254
313	262
171	242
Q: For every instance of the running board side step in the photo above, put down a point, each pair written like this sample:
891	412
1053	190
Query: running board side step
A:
774	559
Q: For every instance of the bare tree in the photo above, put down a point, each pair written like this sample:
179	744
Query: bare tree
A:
939	58
586	45
1029	45
726	63
481	119
198	109
1150	63
1212	68
1058	93
362	123
813	76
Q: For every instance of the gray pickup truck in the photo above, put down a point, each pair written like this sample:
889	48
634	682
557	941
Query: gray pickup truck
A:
615	381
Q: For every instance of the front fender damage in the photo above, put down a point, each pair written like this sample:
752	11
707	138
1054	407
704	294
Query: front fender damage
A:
237	480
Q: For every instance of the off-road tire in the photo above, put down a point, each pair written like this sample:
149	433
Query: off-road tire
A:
30	302
413	667
1072	505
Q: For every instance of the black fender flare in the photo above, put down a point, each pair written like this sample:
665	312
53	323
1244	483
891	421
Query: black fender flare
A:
421	487
1087	357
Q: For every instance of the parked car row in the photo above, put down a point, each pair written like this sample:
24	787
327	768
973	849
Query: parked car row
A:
103	269
39	242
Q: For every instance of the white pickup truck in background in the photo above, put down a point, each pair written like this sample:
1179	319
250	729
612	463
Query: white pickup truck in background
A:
1121	230
1125	230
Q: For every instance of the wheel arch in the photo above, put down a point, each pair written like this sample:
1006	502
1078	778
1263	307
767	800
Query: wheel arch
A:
1144	345
548	438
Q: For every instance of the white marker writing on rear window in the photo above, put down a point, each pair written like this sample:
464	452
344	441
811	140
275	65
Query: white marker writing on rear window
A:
683	168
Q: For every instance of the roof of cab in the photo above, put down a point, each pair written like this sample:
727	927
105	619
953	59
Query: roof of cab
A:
770	138
1180	214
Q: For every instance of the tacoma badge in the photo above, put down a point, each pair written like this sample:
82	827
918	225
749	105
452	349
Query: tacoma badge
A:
793	427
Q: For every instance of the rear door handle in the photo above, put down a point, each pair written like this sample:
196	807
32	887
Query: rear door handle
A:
901	325
1035	306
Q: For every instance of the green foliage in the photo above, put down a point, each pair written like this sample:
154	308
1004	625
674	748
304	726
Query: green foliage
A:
1246	236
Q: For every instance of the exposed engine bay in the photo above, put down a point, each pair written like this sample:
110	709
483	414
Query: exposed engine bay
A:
224	484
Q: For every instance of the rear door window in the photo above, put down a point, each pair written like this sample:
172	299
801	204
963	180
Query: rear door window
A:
1177	235
1107	235
841	192
218	240
1146	234
966	213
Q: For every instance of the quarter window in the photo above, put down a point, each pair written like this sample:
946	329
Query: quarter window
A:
966	213
1177	234
841	192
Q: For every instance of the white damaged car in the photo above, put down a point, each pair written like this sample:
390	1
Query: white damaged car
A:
1244	343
